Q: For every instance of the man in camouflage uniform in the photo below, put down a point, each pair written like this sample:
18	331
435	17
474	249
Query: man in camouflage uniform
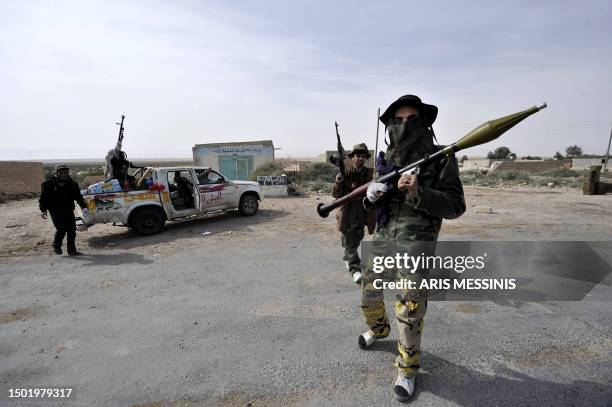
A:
409	220
352	217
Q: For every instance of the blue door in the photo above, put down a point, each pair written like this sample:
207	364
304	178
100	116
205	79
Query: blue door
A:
242	168
227	166
236	167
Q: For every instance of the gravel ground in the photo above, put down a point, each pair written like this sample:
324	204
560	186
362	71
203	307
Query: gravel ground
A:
260	312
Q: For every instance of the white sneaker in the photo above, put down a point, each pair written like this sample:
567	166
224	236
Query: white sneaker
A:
357	277
404	387
366	339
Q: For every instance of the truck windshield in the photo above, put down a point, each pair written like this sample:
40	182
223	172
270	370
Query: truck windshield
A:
206	177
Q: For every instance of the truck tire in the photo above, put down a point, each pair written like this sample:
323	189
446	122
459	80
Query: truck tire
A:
249	205
147	221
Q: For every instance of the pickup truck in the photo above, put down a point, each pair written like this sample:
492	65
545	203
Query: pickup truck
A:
170	193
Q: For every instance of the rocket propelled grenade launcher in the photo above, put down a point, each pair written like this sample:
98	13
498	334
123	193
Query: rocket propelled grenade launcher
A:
482	134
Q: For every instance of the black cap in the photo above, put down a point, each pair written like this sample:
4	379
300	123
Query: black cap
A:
427	112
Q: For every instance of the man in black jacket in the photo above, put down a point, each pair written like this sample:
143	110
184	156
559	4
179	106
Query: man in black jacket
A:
57	197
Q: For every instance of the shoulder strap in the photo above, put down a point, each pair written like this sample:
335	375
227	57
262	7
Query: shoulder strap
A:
434	135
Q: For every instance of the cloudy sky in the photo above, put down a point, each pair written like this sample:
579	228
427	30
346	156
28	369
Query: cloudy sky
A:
188	72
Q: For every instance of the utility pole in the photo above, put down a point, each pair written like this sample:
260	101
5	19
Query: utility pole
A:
377	125
607	153
376	146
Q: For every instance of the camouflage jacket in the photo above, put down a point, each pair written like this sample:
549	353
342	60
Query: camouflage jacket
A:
440	195
354	212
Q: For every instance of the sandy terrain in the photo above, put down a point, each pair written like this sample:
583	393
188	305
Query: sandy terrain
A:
518	214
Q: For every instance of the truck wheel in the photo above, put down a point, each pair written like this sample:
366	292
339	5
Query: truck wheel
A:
248	205
147	221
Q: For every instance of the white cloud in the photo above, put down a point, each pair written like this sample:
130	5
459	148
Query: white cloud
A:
205	72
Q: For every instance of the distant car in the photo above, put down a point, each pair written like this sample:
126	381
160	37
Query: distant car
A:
170	193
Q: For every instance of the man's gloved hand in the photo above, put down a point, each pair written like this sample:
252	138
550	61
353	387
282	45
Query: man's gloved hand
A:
376	190
43	214
409	182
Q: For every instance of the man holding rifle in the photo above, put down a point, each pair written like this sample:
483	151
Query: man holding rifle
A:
410	213
352	217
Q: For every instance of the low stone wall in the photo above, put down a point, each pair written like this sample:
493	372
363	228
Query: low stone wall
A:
273	185
531	166
274	190
19	178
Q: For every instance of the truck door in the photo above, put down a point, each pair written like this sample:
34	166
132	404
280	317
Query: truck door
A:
184	195
216	193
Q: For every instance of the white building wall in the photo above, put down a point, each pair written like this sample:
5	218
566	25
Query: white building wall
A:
476	164
585	163
258	153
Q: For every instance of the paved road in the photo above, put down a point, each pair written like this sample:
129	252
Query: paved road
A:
274	322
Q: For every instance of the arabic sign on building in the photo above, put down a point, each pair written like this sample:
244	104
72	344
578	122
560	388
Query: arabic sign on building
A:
232	150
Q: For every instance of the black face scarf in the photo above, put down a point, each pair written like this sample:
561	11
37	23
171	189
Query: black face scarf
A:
409	141
61	181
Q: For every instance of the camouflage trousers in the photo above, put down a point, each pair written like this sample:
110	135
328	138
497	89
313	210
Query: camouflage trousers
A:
351	239
410	305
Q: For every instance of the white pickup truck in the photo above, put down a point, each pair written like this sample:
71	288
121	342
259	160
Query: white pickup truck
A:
166	193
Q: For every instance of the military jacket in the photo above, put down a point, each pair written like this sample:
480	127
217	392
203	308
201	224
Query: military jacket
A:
440	195
354	212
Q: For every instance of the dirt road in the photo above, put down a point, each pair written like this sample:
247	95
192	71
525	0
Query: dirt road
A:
261	312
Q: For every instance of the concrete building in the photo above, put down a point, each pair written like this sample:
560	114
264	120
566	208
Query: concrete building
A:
294	165
584	163
234	160
20	177
478	163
